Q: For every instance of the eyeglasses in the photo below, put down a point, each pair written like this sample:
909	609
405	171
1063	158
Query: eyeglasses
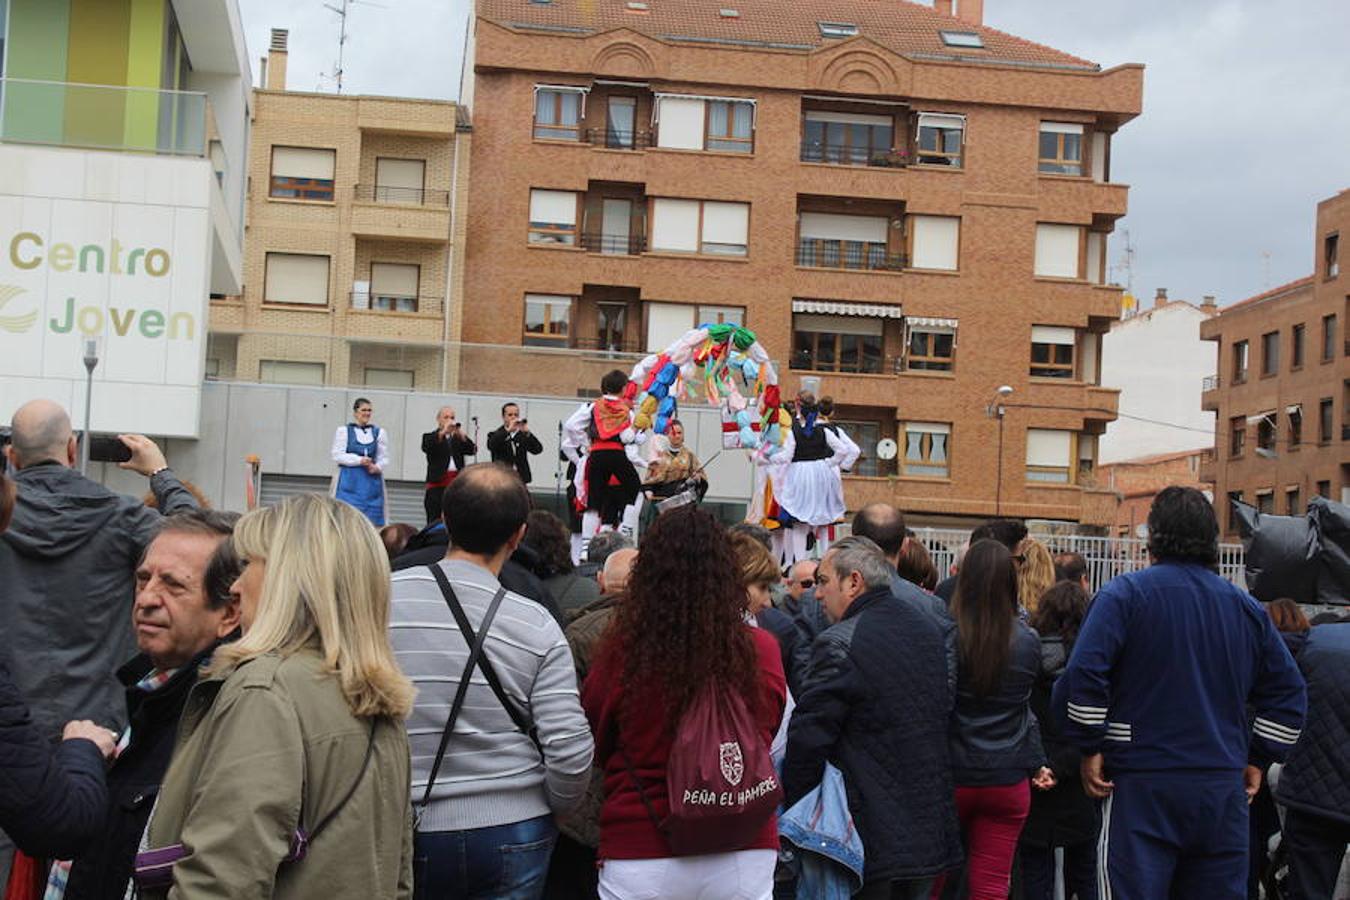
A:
807	583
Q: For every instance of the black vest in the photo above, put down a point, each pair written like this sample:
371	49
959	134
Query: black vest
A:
810	446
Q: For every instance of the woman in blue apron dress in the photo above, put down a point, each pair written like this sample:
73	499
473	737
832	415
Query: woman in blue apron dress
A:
361	451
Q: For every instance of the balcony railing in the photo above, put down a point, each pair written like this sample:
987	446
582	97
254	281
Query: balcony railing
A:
380	301
102	117
596	344
1211	383
845	155
618	139
851	364
613	245
402	196
839	254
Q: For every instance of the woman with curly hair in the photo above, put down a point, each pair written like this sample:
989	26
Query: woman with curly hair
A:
680	629
1035	573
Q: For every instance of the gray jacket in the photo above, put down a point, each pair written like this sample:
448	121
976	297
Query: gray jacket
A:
67	581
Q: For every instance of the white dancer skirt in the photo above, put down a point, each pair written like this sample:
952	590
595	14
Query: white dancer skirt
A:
812	492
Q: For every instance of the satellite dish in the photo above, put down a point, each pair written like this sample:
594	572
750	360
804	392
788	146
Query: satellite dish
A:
1141	531
887	449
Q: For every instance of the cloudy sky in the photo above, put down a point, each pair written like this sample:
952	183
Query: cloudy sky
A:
1246	120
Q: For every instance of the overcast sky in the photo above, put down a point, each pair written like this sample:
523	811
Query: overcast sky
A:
1246	121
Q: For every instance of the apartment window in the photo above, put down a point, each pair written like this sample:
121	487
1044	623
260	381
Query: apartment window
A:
1059	251
1293	501
930	346
940	139
1266	430
394	286
1050	456
1061	148
547	320
302	173
823	343
925	449
1324	421
1239	362
866	435
400	180
1295	414
296	278
1265	502
621	125
935	242
553	217
668	322
1328	338
730	126
1324	489
1270	353
837	29
967	39
558	111
700	226
852	139
281	371
704	123
1297	339
834	241
392	379
1331	247
212	367
1234	498
1052	351
1237	435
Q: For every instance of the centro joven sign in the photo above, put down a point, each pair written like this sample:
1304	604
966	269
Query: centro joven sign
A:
119	250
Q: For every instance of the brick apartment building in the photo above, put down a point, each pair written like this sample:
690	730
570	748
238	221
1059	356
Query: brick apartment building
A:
1137	481
902	203
1282	392
353	259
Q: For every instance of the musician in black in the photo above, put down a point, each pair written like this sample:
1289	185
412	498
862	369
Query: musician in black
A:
513	444
445	449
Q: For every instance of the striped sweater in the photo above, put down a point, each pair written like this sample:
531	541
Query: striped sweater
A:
492	774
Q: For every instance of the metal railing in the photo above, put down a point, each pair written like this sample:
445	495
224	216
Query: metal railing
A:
803	360
595	344
403	196
845	155
839	254
1210	383
618	139
1106	557
614	245
380	301
102	117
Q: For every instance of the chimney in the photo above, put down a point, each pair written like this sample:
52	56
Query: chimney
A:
1209	305
970	11
1160	300
274	72
943	6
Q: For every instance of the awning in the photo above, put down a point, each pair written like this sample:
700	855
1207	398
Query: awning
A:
838	308
584	91
1258	418
941	120
927	323
1061	128
1295	409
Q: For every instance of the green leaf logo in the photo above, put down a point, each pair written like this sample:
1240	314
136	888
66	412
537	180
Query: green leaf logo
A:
17	324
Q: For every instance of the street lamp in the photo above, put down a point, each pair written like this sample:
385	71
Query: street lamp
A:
998	410
90	364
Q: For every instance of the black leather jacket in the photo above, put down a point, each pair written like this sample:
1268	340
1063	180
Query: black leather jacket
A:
995	739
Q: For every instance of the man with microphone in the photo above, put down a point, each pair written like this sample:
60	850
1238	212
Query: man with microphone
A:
513	443
445	449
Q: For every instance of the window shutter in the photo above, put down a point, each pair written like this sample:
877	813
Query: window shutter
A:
1096	257
1099	139
296	278
726	223
940	120
675	225
553	207
1057	250
929	427
680	123
833	227
667	323
394	279
936	242
1048	334
849	118
279	371
1061	128
400	173
1050	449
837	324
303	162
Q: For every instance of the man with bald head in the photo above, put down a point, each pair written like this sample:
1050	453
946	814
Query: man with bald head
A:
445	449
884	525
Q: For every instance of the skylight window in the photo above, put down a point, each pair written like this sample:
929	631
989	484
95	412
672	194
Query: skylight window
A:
730	13
837	29
962	39
636	6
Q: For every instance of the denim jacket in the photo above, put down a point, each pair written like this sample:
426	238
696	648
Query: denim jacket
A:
829	849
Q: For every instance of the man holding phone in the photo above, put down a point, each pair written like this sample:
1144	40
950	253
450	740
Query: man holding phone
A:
445	449
513	444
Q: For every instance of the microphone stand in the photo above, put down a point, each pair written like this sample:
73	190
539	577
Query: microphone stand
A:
558	474
475	438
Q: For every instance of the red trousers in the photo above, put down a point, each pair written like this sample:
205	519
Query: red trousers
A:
991	820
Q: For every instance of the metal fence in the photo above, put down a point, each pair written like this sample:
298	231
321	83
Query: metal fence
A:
1107	557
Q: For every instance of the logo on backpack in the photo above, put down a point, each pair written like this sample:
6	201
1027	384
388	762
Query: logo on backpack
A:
733	763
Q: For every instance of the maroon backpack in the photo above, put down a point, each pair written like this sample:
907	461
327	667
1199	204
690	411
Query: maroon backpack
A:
720	778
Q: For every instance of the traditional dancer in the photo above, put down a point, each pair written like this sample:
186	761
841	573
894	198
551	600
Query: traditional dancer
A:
595	439
361	451
825	533
674	465
809	490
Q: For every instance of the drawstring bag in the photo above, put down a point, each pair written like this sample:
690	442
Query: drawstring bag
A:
720	780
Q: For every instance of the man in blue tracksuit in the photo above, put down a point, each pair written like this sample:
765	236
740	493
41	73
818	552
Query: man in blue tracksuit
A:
1179	693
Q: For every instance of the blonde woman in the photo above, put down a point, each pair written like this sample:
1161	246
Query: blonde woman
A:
1035	573
290	777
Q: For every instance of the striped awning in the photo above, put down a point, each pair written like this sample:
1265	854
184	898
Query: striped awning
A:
930	322
839	308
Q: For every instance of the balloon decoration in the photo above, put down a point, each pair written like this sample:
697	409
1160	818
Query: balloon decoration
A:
725	364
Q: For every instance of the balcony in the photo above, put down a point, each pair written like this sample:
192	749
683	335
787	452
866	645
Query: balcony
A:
1210	383
841	154
405	214
103	117
615	139
869	256
426	118
376	301
613	245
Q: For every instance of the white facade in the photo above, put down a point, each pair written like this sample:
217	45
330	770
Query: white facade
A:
1159	363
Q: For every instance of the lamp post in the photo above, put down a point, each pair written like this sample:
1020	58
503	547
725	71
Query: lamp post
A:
998	410
90	363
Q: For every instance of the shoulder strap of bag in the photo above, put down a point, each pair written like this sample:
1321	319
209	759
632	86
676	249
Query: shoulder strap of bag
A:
637	782
520	720
301	840
475	653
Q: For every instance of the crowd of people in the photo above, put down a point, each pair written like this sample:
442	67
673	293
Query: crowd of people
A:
290	703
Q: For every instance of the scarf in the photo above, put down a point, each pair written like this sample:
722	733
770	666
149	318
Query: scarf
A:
611	418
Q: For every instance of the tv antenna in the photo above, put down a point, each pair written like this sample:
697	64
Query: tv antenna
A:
343	11
1126	262
1265	265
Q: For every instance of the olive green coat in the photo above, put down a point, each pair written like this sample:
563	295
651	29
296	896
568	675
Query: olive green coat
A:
264	749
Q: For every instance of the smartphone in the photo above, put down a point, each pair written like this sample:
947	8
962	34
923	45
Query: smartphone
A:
108	449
